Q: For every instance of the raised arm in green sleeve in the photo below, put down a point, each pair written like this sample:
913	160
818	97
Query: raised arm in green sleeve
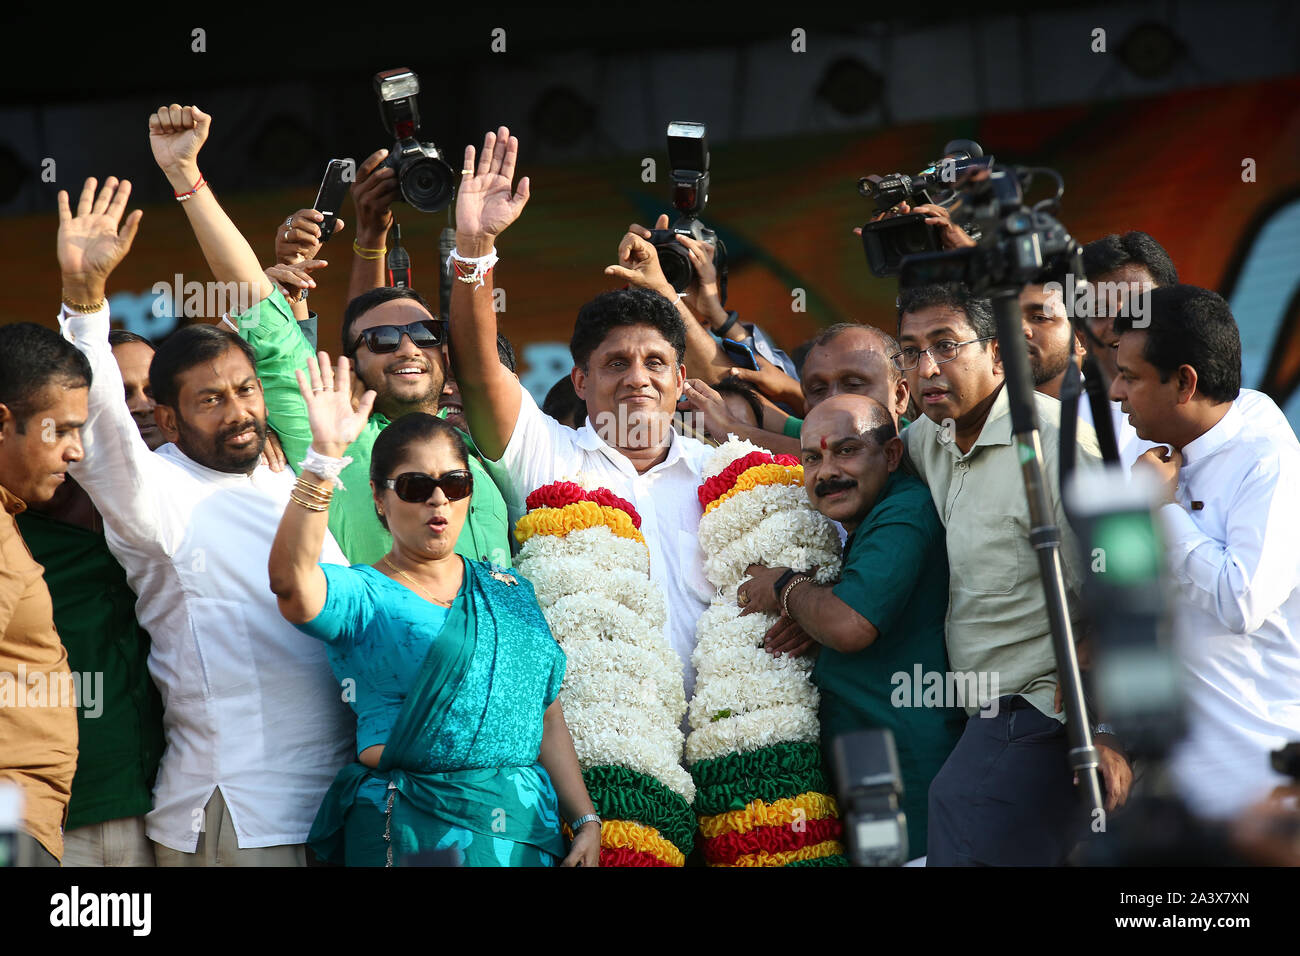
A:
279	347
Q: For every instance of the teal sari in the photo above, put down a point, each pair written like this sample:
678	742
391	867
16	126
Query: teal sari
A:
495	816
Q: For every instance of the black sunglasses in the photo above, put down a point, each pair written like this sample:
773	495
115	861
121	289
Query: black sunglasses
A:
416	486
426	334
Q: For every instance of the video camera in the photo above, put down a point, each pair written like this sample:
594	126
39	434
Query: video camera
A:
1018	244
427	181
887	241
688	152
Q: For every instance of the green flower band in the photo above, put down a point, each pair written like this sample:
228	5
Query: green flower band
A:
623	794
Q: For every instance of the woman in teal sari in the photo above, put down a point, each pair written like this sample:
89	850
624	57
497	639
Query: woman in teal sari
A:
448	663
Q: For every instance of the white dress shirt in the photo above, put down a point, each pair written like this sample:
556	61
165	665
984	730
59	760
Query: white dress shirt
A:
541	450
250	704
1233	547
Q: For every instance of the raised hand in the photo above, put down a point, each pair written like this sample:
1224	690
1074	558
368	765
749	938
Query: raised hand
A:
298	237
374	192
335	424
90	243
486	202
638	261
176	134
706	303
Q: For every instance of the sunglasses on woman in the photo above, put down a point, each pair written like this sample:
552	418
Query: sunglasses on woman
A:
426	334
416	486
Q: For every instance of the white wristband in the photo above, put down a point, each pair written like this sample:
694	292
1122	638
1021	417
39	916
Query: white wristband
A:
481	266
324	466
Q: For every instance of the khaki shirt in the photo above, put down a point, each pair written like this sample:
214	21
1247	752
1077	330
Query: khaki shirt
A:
997	615
38	715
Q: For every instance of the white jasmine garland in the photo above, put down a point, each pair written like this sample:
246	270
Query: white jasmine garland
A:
748	732
595	670
733	449
598	545
744	511
624	736
790	539
562	576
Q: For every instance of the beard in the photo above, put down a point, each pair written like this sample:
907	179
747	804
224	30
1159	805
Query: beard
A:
1047	367
211	451
394	405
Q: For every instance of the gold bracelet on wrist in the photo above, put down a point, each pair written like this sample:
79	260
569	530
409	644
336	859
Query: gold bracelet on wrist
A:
86	309
370	255
293	495
785	595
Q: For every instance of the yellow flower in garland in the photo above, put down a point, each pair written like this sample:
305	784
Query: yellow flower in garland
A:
815	852
574	517
761	475
814	806
634	836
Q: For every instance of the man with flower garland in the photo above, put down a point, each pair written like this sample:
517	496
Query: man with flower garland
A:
885	616
629	352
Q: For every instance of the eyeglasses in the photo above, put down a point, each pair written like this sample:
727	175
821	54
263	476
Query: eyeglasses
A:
416	486
907	359
426	334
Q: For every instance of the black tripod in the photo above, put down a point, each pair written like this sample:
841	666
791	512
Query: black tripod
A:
1044	535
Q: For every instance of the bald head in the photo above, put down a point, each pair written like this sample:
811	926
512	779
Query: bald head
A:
849	446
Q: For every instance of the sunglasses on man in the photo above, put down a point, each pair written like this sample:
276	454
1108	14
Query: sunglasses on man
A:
426	334
416	486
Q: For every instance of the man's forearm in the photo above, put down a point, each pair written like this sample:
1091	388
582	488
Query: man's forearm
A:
368	265
227	252
828	620
705	358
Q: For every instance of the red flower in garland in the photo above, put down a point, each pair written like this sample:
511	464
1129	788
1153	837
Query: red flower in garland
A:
561	493
720	484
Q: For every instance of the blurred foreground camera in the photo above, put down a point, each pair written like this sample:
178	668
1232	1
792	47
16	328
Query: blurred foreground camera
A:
688	152
427	182
888	240
871	786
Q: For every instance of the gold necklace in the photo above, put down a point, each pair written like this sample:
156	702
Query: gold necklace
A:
417	584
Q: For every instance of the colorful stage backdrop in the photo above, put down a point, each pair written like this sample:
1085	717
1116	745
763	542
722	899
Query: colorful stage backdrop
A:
1175	166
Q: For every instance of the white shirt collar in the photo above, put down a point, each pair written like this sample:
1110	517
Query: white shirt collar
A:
589	440
1228	428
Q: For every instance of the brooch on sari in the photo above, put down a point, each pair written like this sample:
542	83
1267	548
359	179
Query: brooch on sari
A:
502	576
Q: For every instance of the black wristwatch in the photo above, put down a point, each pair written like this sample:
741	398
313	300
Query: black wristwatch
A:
782	581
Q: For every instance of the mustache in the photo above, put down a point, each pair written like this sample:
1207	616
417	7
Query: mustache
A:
823	488
258	427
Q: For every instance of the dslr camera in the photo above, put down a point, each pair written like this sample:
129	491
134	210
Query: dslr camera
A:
888	240
426	180
688	152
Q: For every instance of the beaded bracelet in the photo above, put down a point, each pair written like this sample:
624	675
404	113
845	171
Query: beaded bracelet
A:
186	197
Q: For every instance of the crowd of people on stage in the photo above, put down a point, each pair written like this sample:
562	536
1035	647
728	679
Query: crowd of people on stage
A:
282	567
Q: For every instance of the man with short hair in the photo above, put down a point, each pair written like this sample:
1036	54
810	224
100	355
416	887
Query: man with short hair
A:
119	715
43	405
628	351
254	726
881	626
1231	486
1050	340
1004	796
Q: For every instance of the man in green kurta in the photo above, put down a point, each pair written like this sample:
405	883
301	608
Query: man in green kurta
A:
406	379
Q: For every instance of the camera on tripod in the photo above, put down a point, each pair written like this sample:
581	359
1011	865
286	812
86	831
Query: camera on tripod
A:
426	180
688	152
1018	243
887	241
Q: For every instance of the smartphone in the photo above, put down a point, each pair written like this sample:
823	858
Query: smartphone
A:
332	190
741	354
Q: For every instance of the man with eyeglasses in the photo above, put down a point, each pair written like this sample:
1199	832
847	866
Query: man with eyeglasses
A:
1005	795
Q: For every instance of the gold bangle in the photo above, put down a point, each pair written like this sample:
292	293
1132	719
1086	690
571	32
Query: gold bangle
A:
307	504
374	253
85	309
785	595
312	492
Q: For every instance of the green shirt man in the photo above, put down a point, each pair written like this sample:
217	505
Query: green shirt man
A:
280	348
895	574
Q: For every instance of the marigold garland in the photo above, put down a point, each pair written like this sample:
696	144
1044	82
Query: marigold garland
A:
730	847
827	849
715	487
759	813
634	836
561	493
623	794
572	517
760	475
622	856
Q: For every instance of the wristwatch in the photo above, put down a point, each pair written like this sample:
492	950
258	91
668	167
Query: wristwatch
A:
583	821
782	581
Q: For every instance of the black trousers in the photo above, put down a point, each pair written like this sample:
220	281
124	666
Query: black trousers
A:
1005	796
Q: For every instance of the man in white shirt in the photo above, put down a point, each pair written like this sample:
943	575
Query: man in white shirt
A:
628	351
1232	485
255	730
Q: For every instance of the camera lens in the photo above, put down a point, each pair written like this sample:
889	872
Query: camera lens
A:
426	181
676	266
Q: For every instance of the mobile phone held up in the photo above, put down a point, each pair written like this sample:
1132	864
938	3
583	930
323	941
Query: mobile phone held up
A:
332	189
